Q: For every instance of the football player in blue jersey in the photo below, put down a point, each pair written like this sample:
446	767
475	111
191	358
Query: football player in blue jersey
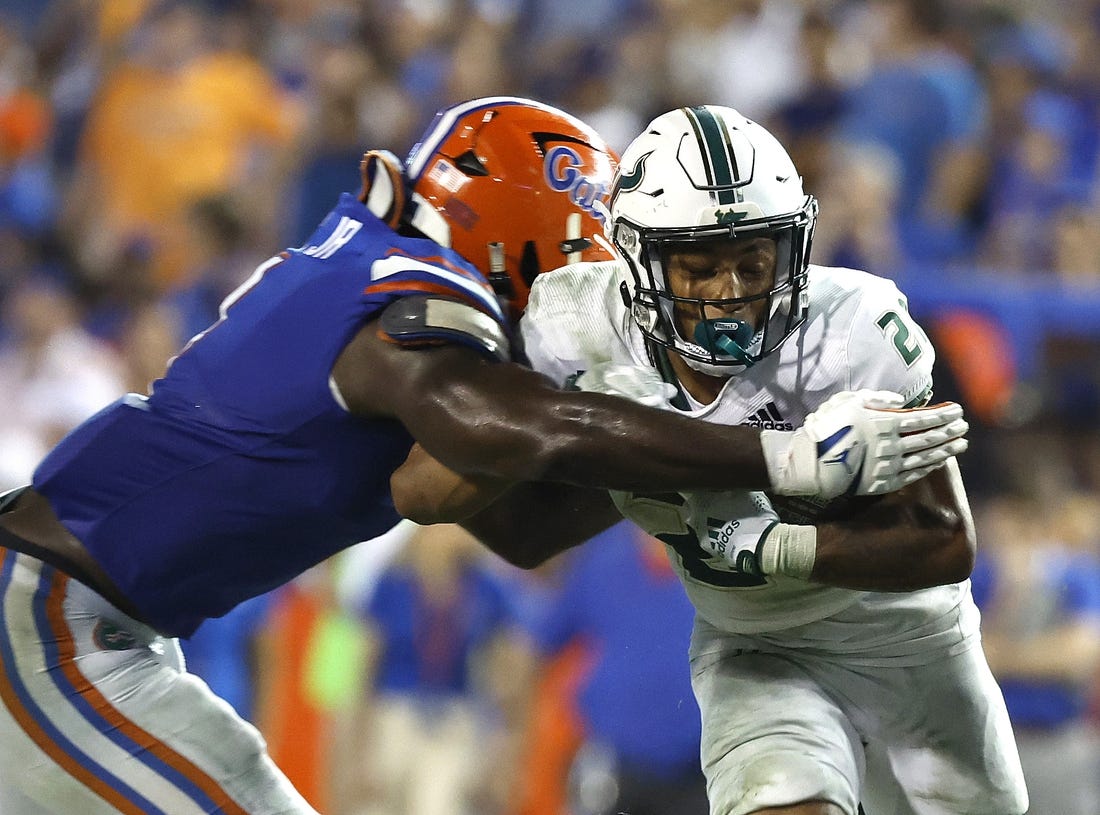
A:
270	442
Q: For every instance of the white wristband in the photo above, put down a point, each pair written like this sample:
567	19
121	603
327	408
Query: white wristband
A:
789	549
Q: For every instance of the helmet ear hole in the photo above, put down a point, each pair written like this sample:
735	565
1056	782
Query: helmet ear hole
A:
529	263
470	164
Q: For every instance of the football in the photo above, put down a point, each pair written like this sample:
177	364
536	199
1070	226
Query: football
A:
809	509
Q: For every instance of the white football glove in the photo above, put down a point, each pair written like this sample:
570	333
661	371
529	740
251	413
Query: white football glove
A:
862	442
634	382
751	539
731	526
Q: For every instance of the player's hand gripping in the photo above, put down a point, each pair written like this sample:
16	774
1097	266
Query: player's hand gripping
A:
753	540
862	442
736	541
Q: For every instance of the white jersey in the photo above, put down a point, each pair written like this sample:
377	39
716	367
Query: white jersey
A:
857	334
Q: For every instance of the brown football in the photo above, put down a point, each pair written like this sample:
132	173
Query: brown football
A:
808	509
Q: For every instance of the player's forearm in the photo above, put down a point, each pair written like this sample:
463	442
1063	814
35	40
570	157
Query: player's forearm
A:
898	559
918	537
592	440
534	522
531	524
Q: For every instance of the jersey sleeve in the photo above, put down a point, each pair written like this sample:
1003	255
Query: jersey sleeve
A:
428	301
887	349
419	320
400	274
573	320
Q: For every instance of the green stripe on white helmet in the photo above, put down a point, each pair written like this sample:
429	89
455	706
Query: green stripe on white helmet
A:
703	174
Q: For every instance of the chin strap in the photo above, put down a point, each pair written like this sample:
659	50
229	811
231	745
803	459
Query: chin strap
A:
727	338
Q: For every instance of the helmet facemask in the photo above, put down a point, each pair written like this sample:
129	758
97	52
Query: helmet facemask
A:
719	345
674	194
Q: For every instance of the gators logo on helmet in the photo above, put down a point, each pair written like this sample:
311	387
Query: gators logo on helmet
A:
515	186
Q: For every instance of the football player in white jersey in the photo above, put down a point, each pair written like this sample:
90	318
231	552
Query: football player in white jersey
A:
836	656
267	446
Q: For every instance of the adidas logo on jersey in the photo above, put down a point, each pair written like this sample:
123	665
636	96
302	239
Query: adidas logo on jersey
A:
768	418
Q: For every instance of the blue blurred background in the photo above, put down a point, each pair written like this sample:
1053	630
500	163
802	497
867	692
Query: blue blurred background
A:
152	153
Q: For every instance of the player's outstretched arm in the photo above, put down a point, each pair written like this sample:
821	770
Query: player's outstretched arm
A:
526	524
536	521
502	420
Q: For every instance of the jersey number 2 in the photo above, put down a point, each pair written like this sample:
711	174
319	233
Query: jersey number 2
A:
906	344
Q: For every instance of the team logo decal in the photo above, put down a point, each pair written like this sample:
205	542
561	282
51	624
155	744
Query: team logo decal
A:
729	216
768	418
632	180
563	169
109	637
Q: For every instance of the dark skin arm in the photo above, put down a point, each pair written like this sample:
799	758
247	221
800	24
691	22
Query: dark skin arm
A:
426	492
915	538
528	525
534	522
918	537
504	421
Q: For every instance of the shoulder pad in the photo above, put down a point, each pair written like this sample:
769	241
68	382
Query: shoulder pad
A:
888	348
419	320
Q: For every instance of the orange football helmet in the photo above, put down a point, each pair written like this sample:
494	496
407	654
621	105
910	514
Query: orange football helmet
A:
514	186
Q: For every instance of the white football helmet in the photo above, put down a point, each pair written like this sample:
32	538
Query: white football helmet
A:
701	174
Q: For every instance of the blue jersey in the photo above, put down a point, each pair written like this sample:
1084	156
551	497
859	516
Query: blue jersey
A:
242	469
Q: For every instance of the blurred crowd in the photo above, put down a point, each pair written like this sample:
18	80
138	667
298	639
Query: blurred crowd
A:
153	152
